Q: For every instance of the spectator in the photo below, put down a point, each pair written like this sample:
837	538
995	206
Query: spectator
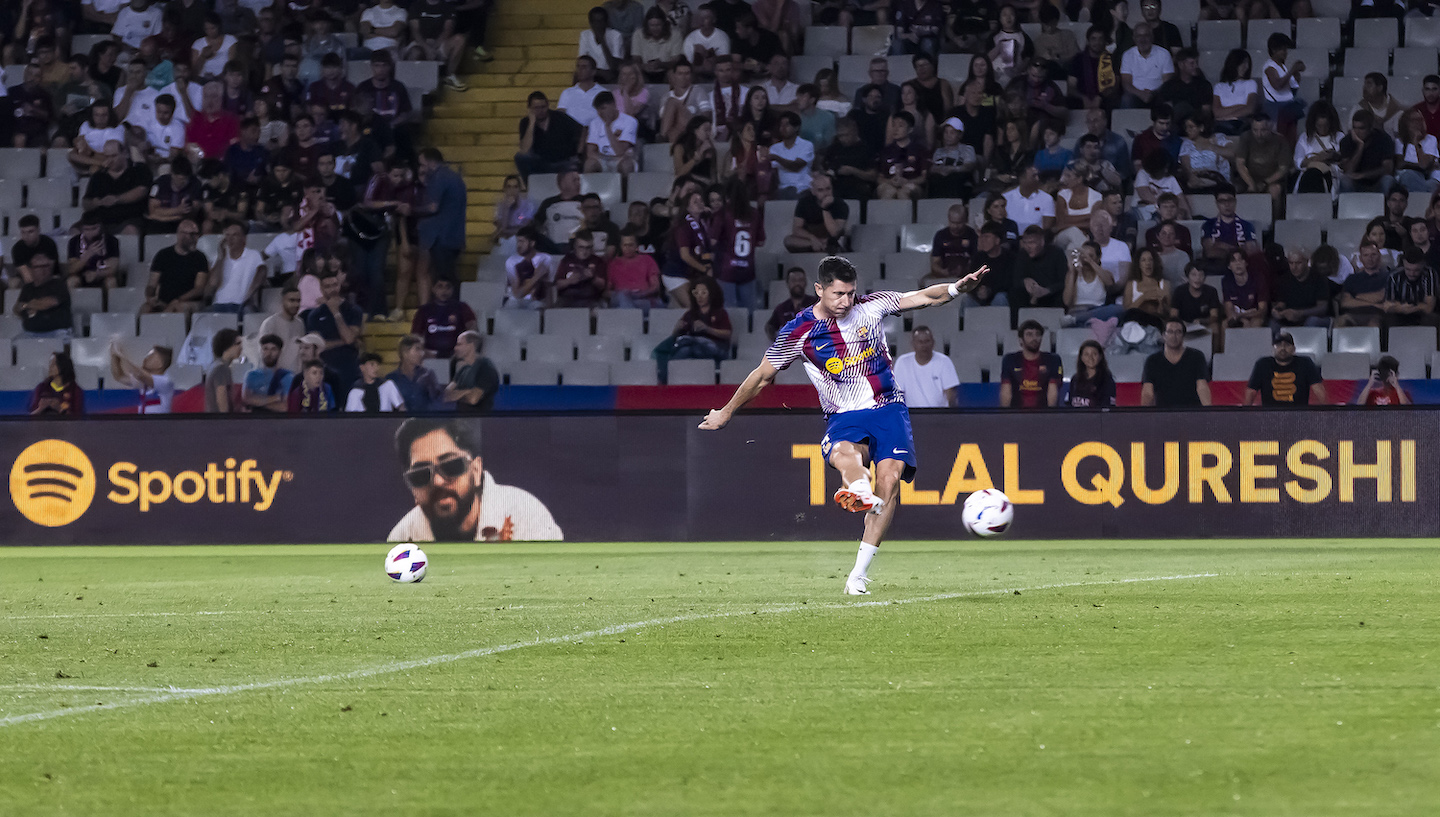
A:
603	44
800	297
1280	82
212	129
1051	157
1155	179
419	388
1410	293
267	387
1093	78
1263	159
1167	210
1236	96
213	50
926	377
156	388
872	118
383	25
93	257
221	199
529	273
977	121
226	345
513	211
476	381
332	92
658	46
1030	378
1188	92
1383	388
1285	379
951	249
738	229
1246	303
1155	139
633	278
1301	298
117	194
312	395
610	146
237	274
287	327
338	322
1144	68
43	304
1087	288
235	96
175	196
1038	278
952	164
1394	222
370	394
442	218
580	276
1363	293
284	96
1009	50
997	263
851	163
1376	98
998	212
560	215
1029	205
1126	229
1416	154
1367	156
1226	232
433	36
134	21
87	155
1317	151
1173	259
441	320
178	274
1205	156
1113	146
32	243
1053	44
1177	375
794	156
34	111
683	103
754	46
58	393
1092	385
706	44
357	157
820	219
904	165
693	153
727	98
704	331
1419	237
692	250
1010	159
1197	304
1074	203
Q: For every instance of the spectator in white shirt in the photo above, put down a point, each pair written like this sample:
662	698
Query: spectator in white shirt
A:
794	156
781	90
706	43
136	21
212	51
610	147
578	101
164	132
156	388
603	44
382	25
134	102
371	393
1027	204
1143	69
528	273
189	96
238	272
286	246
926	377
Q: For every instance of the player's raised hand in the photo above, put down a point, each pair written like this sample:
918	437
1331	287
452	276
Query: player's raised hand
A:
972	280
715	420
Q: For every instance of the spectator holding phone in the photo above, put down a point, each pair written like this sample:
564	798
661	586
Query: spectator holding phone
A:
1383	387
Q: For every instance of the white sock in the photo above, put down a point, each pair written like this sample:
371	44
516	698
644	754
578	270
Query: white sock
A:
862	559
861	486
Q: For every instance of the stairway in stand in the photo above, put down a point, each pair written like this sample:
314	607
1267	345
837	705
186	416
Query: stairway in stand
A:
534	49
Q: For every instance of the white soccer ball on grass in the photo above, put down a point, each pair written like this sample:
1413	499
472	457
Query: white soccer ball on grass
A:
405	563
987	512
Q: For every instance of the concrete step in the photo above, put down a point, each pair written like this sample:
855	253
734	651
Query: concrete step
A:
567	35
529	80
529	52
503	122
554	18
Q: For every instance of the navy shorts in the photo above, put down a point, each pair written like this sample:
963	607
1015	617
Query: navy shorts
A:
885	430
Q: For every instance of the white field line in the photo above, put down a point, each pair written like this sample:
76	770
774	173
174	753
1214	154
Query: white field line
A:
483	652
87	688
278	611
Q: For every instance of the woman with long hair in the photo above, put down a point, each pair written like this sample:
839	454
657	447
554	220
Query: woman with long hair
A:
657	45
1317	151
738	229
1087	288
831	99
633	98
102	64
1375	234
924	131
58	393
982	69
100	126
274	132
693	154
1147	293
1011	156
692	250
1416	154
757	110
750	161
997	212
1092	385
1204	155
703	332
1236	95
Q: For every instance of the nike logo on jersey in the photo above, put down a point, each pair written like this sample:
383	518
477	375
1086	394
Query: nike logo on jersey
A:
901	451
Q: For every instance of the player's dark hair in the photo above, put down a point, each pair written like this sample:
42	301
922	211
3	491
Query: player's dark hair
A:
1026	326
272	340
417	427
222	340
369	357
30	220
836	268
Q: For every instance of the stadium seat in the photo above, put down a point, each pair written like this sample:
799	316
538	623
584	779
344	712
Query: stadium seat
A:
87	301
918	238
49	193
879	238
1255	208
422	75
1314	341
870	40
526	373
776	291
1232	366
601	349
661	322
1345	234
1217	35
1413	61
852	71
186	376
1415	342
1257	33
571	323
1213	62
1317	32
969	370
902	68
1412	364
1345	366
1361	205
1369	59
1250	342
1377	32
882	211
654	158
1357	339
502	349
130	258
89	352
1130	121
12	199
623	323
780	217
113	324
1049	317
22	164
88	377
935	211
21	378
793	375
1435	366
7	353
979	345
250	324
9	326
167	328
125	299
1309	206
904	269
992	319
484	297
943	320
1292	234
1126	368
584	373
827	41
734	372
1067	344
634	373
516	322
549	349
691	373
607	186
654	183
271	297
804	67
542	186
203	323
739	319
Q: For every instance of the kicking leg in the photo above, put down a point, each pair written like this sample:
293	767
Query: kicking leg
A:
877	522
851	460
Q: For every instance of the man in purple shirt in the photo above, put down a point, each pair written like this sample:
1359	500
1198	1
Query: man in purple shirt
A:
951	249
332	91
440	322
903	163
1225	233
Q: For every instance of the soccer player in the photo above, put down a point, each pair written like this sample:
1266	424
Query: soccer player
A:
842	342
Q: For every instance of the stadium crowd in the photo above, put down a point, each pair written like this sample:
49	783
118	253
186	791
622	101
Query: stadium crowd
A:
1111	172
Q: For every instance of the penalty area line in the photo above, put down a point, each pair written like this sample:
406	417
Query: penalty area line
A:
175	694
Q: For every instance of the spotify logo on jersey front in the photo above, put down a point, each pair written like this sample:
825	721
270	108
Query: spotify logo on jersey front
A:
52	483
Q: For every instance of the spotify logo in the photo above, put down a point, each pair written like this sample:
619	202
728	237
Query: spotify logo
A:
52	483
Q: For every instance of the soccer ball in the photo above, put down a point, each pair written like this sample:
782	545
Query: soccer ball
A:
405	563
987	512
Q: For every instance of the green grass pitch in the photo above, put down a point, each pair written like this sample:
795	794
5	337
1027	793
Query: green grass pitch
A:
1299	679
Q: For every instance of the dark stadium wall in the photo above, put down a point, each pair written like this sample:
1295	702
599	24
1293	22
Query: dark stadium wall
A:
1132	474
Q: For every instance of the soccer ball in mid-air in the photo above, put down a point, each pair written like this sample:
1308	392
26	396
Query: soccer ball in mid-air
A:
405	563
987	512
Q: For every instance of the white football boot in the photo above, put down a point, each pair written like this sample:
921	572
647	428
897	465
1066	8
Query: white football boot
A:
856	586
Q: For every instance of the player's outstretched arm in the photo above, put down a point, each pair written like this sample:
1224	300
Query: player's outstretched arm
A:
941	293
762	376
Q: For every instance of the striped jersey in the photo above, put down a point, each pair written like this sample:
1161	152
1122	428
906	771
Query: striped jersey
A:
847	360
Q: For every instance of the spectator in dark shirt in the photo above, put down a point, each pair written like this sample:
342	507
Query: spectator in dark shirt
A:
117	194
222	198
951	249
32	243
1410	293
357	157
311	394
280	191
1039	274
1285	379
549	140
801	297
1157	137
702	332
1247	304
178	274
339	190
1091	385
580	277
1165	33
1362	295
994	254
247	159
1383	388
43	305
1176	375
1095	73
1030	378
871	116
339	322
419	387
1367	156
34	110
821	219
476	381
850	162
93	258
1188	92
1302	298
1226	232
903	163
173	197
58	393
332	91
1197	302
441	320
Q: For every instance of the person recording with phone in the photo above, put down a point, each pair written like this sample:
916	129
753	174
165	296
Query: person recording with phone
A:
1383	388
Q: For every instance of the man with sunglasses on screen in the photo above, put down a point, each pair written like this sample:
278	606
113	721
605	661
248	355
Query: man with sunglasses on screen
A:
456	499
